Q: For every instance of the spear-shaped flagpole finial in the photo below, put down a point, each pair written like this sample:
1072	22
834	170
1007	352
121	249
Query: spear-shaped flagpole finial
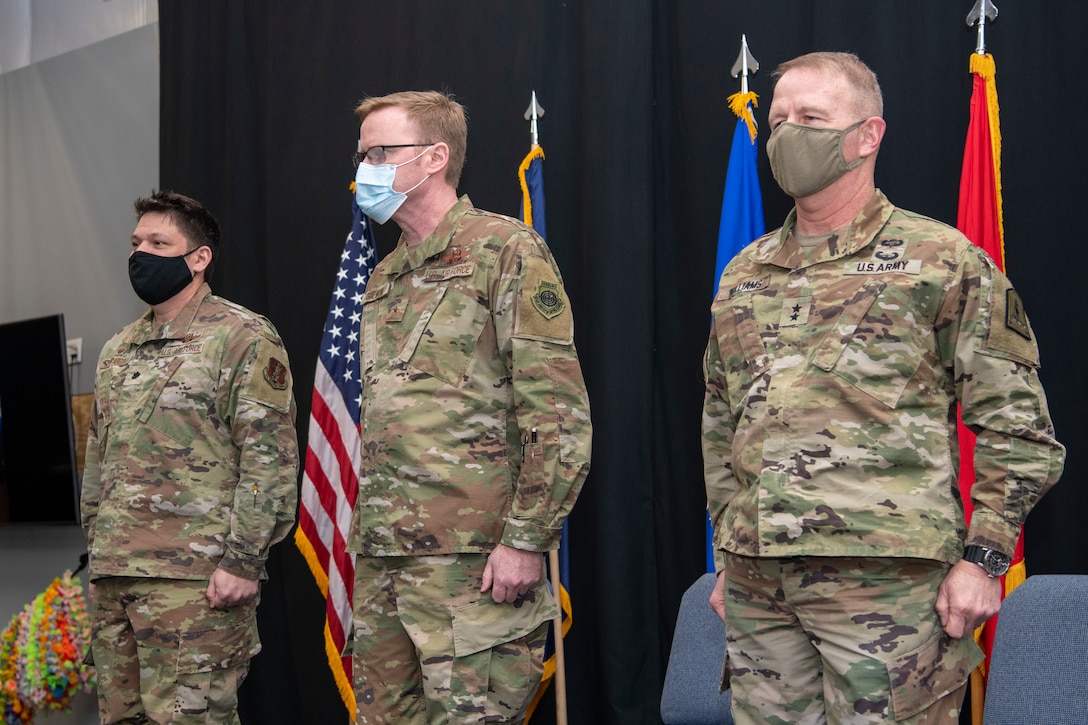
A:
532	113
982	11
746	64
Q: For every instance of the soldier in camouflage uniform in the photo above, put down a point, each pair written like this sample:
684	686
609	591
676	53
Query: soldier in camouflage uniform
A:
475	434
841	345
190	477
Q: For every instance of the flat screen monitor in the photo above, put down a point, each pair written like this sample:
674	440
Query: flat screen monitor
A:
38	479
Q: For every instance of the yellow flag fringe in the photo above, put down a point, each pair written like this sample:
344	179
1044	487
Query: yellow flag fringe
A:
985	67
739	105
527	203
343	685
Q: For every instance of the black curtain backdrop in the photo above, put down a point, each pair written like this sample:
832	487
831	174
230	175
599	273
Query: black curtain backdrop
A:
257	122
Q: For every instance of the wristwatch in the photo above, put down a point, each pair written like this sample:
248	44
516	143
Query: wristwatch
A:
992	561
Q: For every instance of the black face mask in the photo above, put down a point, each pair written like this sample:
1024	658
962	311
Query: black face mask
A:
156	279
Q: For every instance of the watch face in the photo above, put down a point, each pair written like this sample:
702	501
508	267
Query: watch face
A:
995	563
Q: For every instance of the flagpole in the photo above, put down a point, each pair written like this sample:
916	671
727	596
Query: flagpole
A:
980	12
741	219
560	662
532	115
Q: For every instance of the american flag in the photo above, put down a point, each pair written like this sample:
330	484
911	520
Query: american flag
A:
330	481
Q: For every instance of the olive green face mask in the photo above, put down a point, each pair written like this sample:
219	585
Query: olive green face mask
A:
805	159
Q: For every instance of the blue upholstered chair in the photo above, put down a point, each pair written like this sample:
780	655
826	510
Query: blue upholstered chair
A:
1039	664
690	695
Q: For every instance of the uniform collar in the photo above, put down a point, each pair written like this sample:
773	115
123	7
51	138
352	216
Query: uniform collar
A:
145	328
867	224
405	259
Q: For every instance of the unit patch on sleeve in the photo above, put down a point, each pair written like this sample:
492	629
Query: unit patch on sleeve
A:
1009	331
548	299
1015	317
275	373
270	379
543	310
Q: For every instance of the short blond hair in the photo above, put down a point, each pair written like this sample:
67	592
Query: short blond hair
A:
868	100
437	116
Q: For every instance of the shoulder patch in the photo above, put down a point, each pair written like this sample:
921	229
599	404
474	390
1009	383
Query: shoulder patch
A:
1015	318
275	374
543	309
270	381
1009	330
548	299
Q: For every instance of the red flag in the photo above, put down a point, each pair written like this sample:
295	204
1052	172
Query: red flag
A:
330	482
979	218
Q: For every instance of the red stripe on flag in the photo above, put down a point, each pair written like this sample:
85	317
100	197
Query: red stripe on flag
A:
330	483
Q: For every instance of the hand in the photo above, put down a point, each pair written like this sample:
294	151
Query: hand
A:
967	598
226	590
717	597
90	593
510	572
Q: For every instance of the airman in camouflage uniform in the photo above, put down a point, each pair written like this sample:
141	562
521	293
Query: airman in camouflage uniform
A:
190	478
838	354
475	439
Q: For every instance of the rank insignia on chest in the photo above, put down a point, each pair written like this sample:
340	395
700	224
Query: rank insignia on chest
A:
452	255
795	311
275	374
548	299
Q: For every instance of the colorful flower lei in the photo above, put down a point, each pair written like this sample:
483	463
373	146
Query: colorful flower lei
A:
41	653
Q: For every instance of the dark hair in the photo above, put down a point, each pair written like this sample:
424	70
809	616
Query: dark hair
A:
192	218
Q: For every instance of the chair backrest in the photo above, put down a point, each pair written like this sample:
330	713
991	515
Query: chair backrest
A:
690	695
1039	664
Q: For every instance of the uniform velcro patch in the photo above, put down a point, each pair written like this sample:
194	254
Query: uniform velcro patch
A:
270	381
543	310
1010	332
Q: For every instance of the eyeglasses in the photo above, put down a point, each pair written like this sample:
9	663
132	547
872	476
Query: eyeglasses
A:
376	154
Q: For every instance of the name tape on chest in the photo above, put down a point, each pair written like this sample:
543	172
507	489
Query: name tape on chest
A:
889	257
750	285
441	274
875	266
375	292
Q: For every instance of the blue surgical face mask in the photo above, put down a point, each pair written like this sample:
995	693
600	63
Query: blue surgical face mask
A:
374	191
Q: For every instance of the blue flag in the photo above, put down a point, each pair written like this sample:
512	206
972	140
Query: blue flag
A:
531	176
742	213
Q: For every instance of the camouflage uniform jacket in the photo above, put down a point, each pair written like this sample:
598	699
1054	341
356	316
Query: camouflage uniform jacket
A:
192	455
475	420
832	376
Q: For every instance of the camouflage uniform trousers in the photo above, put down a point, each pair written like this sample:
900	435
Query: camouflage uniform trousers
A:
841	640
163	655
430	648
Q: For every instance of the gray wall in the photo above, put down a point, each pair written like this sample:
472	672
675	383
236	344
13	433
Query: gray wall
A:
79	142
